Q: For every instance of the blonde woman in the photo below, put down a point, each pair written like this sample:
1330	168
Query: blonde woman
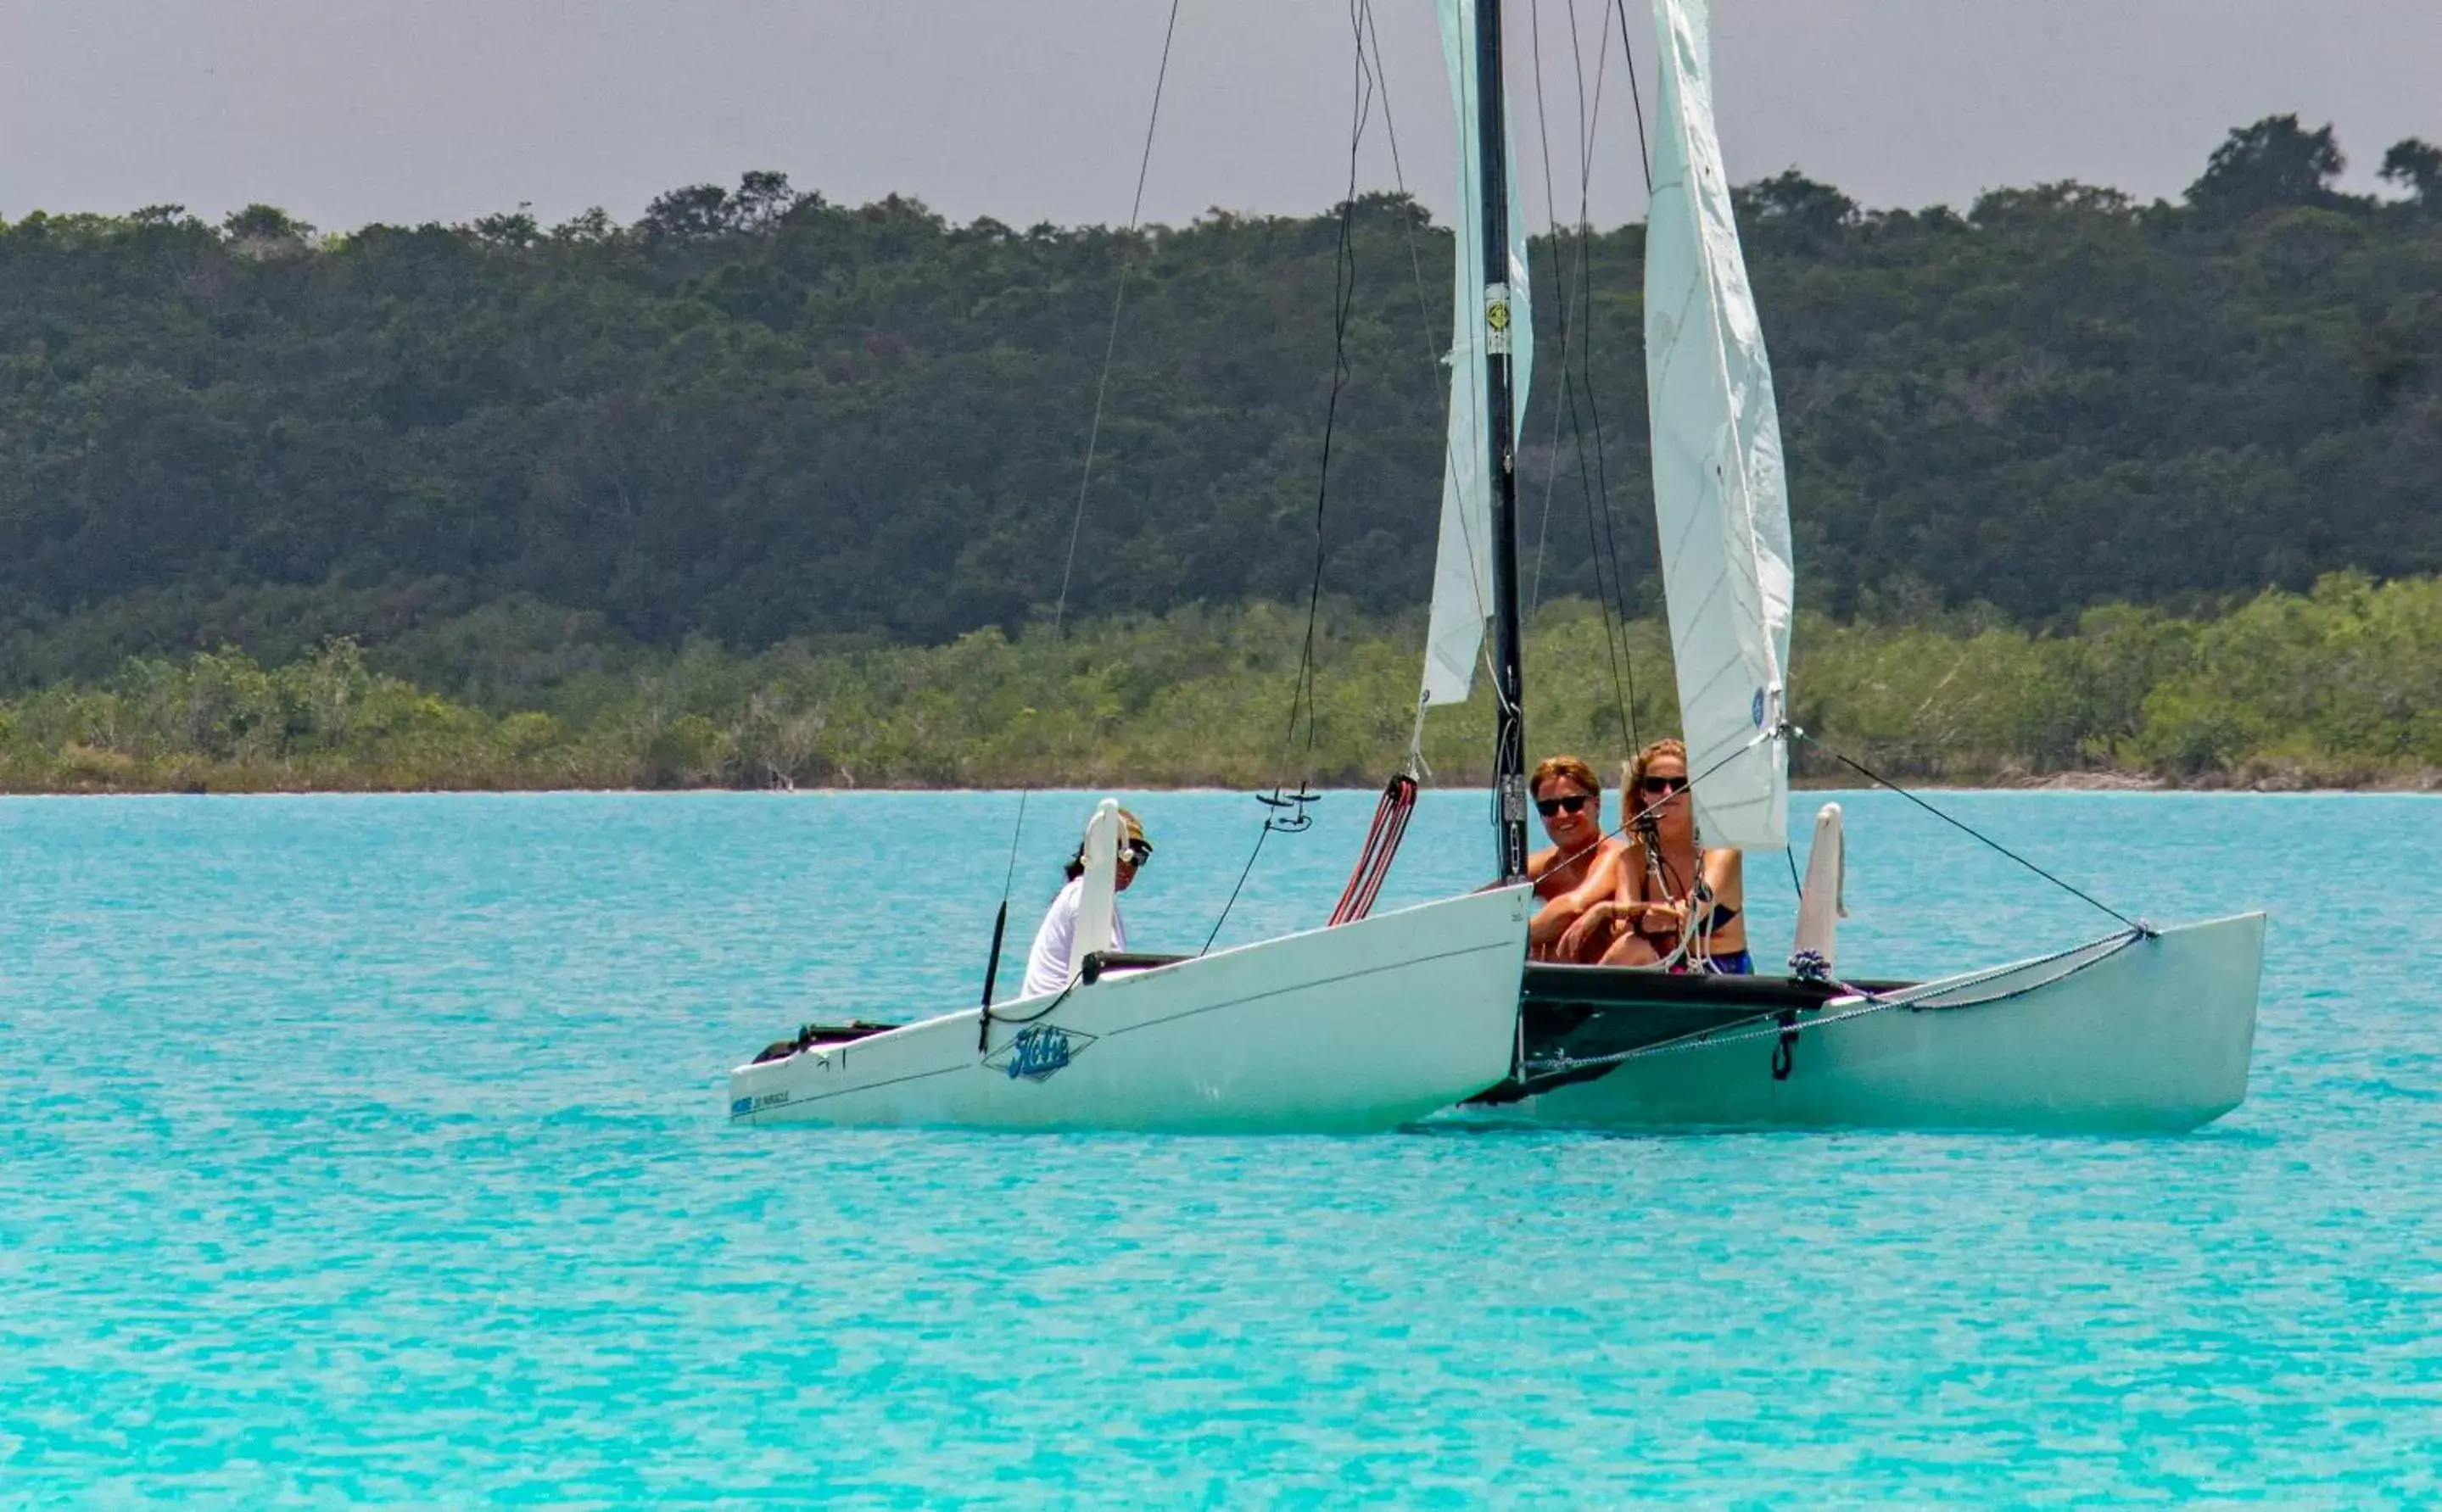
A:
1677	903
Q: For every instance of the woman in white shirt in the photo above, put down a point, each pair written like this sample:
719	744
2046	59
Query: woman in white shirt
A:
1049	967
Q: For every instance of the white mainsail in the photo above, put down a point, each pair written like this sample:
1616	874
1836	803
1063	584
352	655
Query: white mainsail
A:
1463	565
1719	495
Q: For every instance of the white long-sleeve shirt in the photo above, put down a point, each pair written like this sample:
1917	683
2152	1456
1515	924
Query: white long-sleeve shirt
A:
1047	965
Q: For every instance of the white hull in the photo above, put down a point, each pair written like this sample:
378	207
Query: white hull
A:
1362	1027
2149	1033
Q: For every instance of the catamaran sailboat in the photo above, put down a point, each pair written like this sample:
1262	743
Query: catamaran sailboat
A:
1373	1022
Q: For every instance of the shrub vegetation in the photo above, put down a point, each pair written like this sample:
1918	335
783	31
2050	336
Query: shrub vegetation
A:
2341	686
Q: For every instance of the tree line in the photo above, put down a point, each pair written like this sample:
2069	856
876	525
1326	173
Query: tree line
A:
755	417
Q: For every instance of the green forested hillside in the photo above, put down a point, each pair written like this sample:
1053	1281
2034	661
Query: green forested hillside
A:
755	416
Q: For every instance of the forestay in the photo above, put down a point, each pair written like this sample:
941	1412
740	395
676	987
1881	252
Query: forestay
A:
1719	495
1463	567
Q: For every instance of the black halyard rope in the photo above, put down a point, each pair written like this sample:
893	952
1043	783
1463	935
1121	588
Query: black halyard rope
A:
986	1017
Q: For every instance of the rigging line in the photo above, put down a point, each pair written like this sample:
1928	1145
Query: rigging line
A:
1636	94
1968	829
1569	295
1590	114
1399	177
1119	298
1615	627
991	1015
1093	431
1372	35
1434	358
1560	277
1344	302
1364	86
1244	873
1008	882
1586	118
1008	878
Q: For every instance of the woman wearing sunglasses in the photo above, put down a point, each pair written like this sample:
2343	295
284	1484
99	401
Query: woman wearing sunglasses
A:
1677	902
1047	965
1581	867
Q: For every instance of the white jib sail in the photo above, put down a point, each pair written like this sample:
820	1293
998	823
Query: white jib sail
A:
1719	495
1463	565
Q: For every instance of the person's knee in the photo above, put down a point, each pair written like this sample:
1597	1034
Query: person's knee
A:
1631	949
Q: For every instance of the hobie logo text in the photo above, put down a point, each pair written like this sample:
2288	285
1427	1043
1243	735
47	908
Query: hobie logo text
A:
1039	1050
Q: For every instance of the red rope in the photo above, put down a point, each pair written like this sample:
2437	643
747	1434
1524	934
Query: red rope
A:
1381	845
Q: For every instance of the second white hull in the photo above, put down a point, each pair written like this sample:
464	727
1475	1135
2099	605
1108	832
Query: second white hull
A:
1360	1028
2152	1032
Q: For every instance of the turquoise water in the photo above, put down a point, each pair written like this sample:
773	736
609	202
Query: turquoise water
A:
372	1149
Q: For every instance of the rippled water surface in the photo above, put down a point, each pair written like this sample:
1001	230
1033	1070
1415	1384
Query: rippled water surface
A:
374	1149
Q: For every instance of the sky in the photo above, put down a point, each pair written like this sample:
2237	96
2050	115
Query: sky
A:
347	112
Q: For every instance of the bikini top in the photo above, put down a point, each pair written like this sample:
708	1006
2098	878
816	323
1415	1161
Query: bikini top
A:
1701	893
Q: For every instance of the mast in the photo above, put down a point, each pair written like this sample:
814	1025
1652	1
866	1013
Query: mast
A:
1509	731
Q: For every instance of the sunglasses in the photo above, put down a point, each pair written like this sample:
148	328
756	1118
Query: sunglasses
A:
1568	804
1137	853
1665	786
